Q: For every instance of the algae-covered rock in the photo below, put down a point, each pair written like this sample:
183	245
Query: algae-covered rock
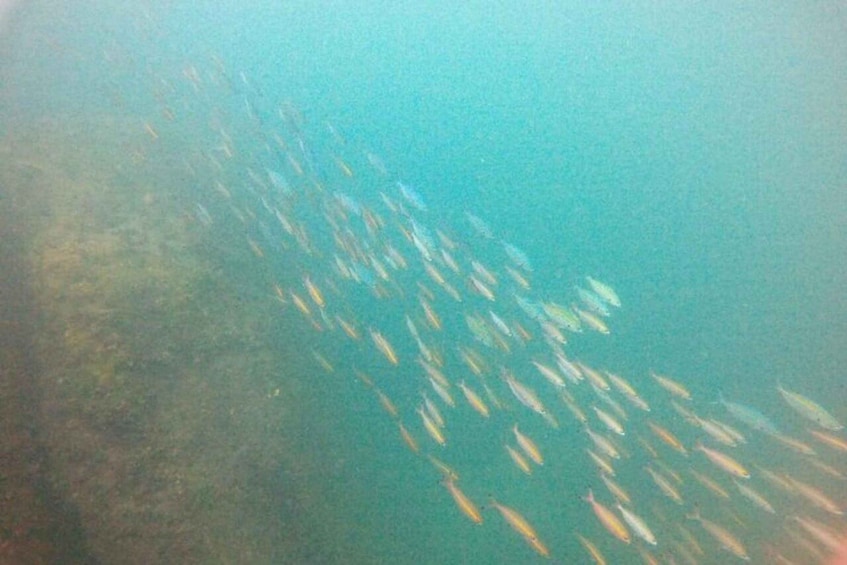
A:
155	370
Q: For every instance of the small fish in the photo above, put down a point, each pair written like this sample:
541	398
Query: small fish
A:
592	321
474	400
710	484
638	525
386	402
672	386
464	503
528	446
609	421
816	496
385	347
522	526
810	410
617	491
608	519
724	461
408	438
753	496
432	428
602	464
726	540
664	485
603	444
314	292
550	374
604	291
443	468
592	550
749	416
667	437
527	397
832	441
519	460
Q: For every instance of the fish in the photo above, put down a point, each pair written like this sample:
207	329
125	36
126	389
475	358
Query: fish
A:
527	397
832	441
638	525
446	471
754	496
501	325
617	491
672	386
314	292
518	256
561	316
550	374
386	402
594	376
433	411
795	444
345	168
609	421
474	400
604	291
348	327
408	438
726	540
592	321
621	384
821	532
810	410
724	461
592	550
519	460
472	360
608	519
385	347
603	465
594	303
522	526
664	485
483	273
667	437
442	392
716	431
518	277
412	196
480	288
749	416
479	225
603	444
528	446
570	402
570	369
815	496
432	428
464	503
430	313
710	484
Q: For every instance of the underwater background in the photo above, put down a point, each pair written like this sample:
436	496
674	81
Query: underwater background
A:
213	214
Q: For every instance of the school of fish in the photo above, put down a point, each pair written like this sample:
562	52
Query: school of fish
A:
450	318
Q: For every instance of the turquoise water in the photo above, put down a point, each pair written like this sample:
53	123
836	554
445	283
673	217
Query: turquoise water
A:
692	158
